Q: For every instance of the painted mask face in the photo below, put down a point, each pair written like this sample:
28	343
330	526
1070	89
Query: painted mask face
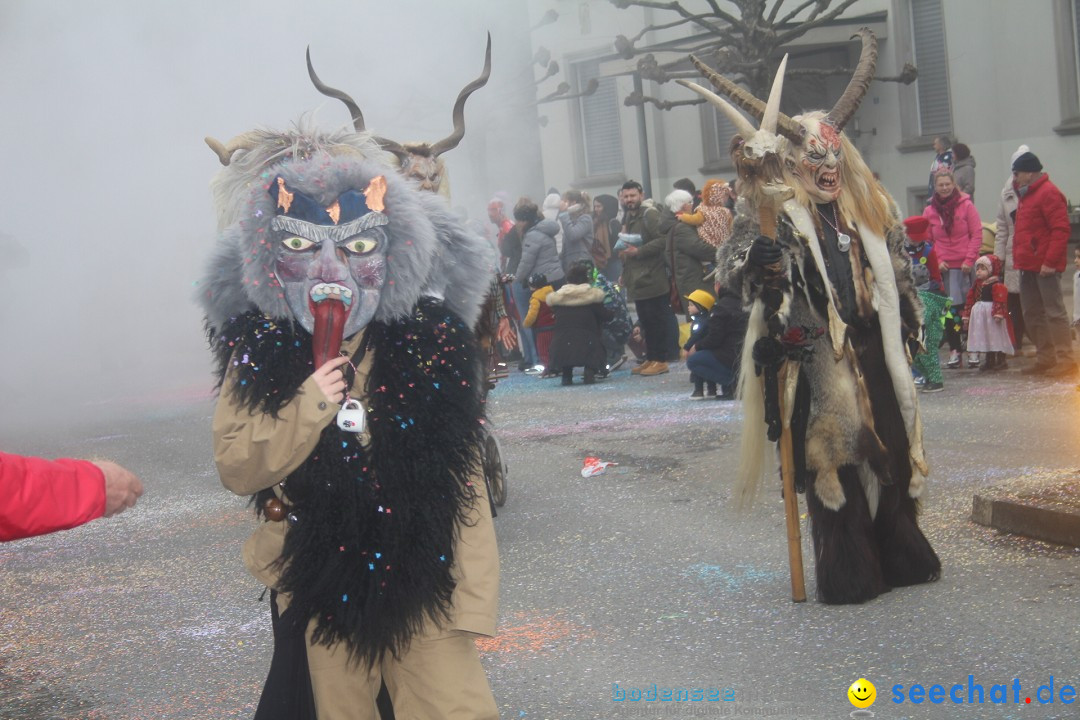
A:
817	161
331	261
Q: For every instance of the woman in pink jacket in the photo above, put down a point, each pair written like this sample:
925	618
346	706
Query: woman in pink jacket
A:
956	234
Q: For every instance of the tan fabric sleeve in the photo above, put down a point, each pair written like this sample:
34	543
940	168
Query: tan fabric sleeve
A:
255	451
476	597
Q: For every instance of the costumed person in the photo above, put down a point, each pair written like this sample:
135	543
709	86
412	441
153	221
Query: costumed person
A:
926	274
986	315
579	316
339	304
616	330
494	331
510	253
834	313
717	352
712	218
540	318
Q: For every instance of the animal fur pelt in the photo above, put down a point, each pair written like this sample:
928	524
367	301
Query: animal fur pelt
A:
855	426
835	435
389	510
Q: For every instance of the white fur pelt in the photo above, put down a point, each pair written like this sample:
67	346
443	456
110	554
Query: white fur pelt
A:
840	429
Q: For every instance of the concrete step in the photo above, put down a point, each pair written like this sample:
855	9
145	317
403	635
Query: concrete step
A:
1045	506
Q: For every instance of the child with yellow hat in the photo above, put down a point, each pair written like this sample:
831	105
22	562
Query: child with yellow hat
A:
698	305
716	341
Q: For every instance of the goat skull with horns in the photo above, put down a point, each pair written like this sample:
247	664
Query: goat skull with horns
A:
814	152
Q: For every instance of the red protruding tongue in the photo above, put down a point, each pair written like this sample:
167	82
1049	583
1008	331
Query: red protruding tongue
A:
329	326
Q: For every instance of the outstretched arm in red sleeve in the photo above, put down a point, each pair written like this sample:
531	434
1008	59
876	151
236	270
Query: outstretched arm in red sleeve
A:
42	496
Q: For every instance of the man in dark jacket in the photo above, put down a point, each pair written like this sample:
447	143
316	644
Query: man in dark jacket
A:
716	356
645	276
1039	243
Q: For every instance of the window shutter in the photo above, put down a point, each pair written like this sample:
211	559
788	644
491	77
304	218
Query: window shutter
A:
718	133
1076	35
928	32
601	133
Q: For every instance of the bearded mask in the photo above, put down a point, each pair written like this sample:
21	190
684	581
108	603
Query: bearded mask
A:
816	161
425	168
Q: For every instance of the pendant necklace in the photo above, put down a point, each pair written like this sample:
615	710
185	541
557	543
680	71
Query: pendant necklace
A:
843	240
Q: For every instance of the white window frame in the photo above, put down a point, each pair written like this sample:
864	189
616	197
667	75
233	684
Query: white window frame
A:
607	92
1067	41
914	137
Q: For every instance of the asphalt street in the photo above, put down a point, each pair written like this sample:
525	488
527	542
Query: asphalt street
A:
643	576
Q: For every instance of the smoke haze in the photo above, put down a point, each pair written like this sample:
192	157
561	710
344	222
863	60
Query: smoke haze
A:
105	184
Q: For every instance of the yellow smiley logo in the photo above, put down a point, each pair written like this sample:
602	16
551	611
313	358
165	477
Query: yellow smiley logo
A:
862	693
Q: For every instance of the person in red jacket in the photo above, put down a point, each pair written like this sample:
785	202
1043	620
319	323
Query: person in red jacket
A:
1039	241
44	496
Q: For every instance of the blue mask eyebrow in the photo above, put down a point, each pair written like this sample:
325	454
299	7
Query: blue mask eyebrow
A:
351	205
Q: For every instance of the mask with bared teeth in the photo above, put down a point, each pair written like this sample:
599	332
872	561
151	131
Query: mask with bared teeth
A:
816	161
330	260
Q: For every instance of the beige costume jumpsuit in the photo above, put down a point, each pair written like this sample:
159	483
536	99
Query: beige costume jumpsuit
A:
440	675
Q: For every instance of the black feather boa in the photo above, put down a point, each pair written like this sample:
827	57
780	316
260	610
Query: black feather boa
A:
370	552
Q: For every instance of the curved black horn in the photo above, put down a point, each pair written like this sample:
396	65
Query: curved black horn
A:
860	82
354	109
452	141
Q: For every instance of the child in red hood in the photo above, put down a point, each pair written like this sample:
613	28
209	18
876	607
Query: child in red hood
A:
986	316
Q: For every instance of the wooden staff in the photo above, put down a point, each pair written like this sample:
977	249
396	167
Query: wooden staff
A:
767	221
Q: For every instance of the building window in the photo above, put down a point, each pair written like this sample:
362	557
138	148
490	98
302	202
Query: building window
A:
932	87
599	133
1075	27
717	132
1067	37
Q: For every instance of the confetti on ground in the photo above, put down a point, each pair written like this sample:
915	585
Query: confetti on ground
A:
533	634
